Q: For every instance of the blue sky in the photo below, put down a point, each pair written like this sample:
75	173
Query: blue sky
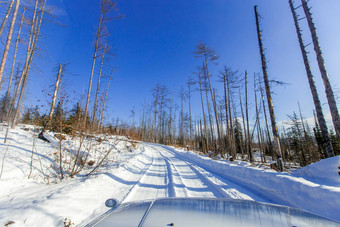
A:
155	40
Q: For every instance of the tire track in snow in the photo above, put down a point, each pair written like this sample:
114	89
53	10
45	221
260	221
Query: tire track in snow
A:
170	181
171	176
134	187
225	187
215	189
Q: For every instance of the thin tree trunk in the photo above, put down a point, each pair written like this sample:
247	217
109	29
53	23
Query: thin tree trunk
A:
269	98
55	94
232	137
244	125
204	117
321	63
8	42
13	101
15	55
190	123
226	102
32	50
6	17
92	69
104	103
54	100
98	86
250	155
266	120
214	105
317	104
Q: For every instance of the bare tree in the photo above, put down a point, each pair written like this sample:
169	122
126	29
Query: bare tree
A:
8	42
106	7
250	155
6	16
321	63
24	75
98	86
317	104
208	55
267	87
104	103
190	83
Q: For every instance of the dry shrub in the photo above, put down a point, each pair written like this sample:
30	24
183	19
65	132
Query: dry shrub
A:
134	144
59	136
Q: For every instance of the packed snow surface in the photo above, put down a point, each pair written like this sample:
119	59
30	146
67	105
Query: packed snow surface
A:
150	171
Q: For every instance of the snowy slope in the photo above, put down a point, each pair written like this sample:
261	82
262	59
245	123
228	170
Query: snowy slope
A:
151	171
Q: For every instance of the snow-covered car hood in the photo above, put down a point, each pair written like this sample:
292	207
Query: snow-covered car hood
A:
207	212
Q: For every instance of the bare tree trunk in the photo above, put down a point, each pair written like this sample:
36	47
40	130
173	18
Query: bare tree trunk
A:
269	98
189	97
250	155
328	88
317	104
98	86
55	94
259	133
226	107
232	137
15	55
244	125
204	117
13	101
6	17
210	120
93	65
104	103
8	42
32	50
54	100
266	119
214	105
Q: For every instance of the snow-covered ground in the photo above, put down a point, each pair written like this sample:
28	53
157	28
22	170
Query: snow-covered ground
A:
146	172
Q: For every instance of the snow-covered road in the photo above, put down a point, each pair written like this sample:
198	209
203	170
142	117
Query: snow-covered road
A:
148	172
167	174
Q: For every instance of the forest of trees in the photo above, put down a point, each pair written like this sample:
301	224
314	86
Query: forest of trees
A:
225	126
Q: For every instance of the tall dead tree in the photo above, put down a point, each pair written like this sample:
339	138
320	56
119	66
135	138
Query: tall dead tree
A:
106	7
15	55
98	87
267	87
190	83
265	117
104	103
250	155
32	48
6	105
321	63
6	17
29	54
317	104
8	42
205	143
54	100
208	55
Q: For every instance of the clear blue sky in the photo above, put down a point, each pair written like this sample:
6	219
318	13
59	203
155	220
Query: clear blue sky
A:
155	40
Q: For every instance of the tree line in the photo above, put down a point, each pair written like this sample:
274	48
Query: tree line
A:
224	128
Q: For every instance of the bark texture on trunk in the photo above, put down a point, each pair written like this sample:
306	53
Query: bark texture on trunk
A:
317	104
321	63
8	42
6	17
267	87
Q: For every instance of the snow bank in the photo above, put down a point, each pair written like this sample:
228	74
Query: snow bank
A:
325	172
281	188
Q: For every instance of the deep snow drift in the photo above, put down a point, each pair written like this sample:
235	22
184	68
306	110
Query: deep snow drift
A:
146	172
